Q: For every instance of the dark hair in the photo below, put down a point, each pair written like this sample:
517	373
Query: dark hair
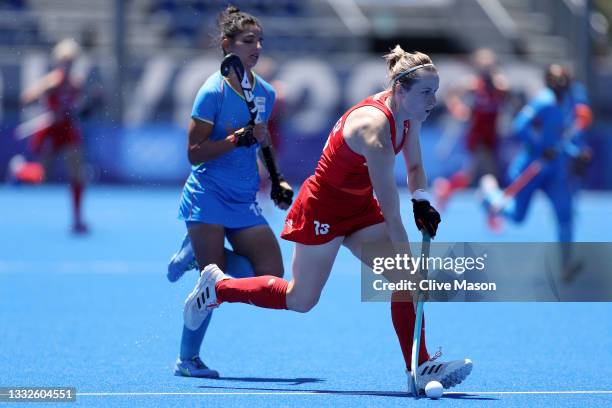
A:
399	61
231	22
558	78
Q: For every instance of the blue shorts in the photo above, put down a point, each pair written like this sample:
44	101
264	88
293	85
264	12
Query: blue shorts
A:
210	207
228	231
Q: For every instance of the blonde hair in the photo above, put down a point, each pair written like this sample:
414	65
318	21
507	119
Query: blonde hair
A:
484	59
402	66
66	49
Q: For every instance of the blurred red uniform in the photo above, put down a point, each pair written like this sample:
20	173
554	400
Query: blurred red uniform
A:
487	103
59	132
339	198
64	130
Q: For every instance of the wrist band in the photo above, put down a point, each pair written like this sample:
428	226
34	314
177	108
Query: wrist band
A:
421	195
232	138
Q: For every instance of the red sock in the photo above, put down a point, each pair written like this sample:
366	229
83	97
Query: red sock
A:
264	291
459	181
77	191
403	316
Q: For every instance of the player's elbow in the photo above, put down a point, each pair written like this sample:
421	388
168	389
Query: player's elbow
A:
191	157
393	221
194	155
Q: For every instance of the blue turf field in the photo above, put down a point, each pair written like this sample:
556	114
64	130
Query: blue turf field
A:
97	313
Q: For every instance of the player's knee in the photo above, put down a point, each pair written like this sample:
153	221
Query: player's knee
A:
305	306
302	304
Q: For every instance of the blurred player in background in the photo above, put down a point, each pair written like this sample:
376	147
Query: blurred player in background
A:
336	206
58	132
579	116
478	101
218	199
551	128
267	68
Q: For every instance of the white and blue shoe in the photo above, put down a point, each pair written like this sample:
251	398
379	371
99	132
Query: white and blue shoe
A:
494	201
203	297
491	195
182	261
194	368
448	374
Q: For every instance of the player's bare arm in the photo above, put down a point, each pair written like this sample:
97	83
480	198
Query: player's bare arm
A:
425	216
41	87
267	141
201	149
417	179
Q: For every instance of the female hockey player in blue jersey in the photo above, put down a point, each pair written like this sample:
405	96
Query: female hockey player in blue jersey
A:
551	128
218	199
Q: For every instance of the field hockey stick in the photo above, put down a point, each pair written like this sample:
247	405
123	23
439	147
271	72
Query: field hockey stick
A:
45	120
418	322
230	62
32	126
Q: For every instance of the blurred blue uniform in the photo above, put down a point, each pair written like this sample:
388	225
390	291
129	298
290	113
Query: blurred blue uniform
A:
541	126
222	191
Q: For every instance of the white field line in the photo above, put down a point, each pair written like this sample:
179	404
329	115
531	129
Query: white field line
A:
154	394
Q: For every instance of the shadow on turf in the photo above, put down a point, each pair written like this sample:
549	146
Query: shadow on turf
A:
298	381
464	396
289	381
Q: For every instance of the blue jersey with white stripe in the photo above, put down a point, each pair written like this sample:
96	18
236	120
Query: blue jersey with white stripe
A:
233	175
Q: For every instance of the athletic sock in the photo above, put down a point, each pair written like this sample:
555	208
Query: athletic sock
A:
459	181
403	316
77	192
264	291
191	340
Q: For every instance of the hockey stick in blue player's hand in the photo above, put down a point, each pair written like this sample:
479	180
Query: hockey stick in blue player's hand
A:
497	199
279	193
418	318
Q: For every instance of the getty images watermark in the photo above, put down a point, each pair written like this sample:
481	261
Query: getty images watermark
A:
410	265
489	272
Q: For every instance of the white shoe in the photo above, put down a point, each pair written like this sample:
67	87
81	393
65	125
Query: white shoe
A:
448	373
491	195
203	297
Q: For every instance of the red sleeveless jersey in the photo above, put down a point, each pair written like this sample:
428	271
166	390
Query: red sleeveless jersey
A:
343	169
64	130
487	103
338	199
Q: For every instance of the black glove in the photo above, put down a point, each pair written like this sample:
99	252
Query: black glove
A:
281	194
425	216
581	162
549	153
244	137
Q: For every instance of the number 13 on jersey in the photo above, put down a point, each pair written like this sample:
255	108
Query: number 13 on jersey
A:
321	229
